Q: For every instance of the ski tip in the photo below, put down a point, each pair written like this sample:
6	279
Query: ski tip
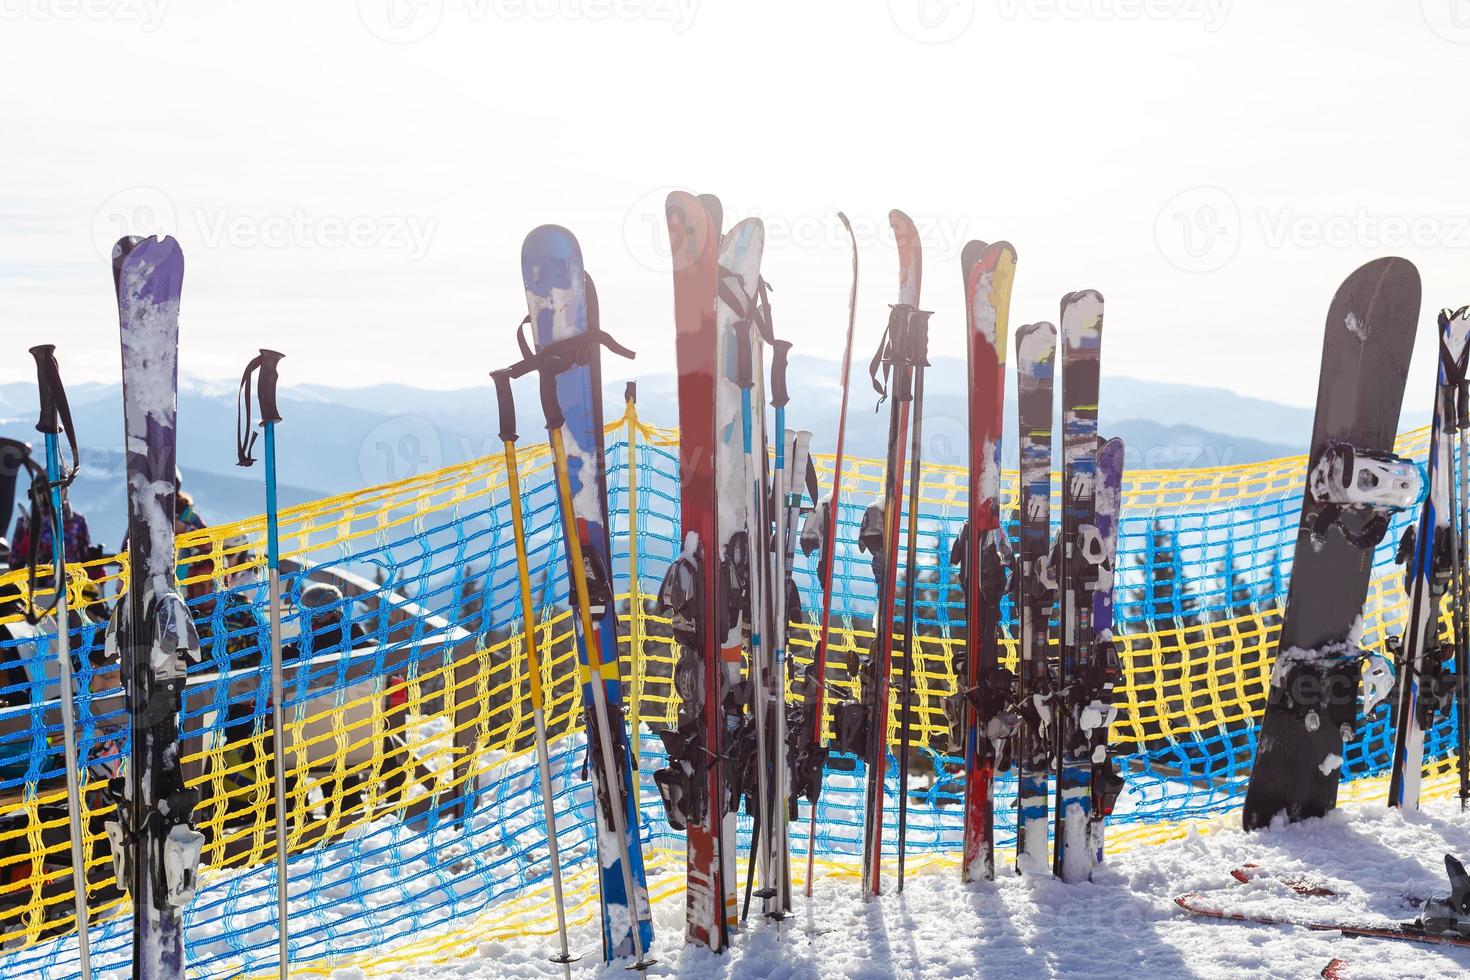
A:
969	255
902	224
715	210
1036	341
1082	314
842	217
746	237
692	235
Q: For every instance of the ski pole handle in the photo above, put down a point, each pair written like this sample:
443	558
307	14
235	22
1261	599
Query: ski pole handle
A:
780	352
630	393
47	375
269	375
744	365
506	401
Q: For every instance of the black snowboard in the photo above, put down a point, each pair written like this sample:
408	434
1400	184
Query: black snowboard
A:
1313	702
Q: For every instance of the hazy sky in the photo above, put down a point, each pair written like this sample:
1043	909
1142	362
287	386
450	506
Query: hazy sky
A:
351	181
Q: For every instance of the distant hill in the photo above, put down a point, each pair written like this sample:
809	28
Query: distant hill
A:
338	439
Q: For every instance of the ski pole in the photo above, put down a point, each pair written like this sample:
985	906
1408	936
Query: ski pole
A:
1461	581
508	438
829	559
918	338
756	534
55	418
577	572
267	363
635	596
780	351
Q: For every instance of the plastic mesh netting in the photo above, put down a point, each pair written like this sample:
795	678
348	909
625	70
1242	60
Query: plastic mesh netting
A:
415	823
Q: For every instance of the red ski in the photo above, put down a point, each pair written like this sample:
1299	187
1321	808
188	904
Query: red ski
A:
989	271
690	590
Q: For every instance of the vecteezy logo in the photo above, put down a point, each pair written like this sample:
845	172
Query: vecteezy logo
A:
397	449
646	230
932	21
400	21
1450	19
135	211
1199	229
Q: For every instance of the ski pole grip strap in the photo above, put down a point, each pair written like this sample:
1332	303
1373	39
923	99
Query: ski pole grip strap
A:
506	401
269	375
780	353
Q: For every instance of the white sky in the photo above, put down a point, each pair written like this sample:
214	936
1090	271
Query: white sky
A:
1080	130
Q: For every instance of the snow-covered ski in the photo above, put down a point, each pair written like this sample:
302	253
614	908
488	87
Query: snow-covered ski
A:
983	550
1082	320
693	593
568	342
1036	347
154	844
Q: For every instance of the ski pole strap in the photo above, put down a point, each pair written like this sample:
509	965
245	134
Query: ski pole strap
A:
780	352
506	401
763	320
560	355
265	366
55	411
905	343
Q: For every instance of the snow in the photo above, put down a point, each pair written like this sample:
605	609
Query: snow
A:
1124	924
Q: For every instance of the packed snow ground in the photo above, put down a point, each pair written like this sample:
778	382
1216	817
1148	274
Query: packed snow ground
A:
1123	925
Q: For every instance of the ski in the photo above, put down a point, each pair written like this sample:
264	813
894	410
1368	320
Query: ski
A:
983	549
567	342
695	589
1081	335
819	533
1426	688
1444	921
154	844
1101	673
1369	337
879	533
1036	348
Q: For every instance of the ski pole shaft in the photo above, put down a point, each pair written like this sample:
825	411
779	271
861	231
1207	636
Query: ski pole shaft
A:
48	385
911	556
508	439
1461	581
577	571
828	558
777	560
635	595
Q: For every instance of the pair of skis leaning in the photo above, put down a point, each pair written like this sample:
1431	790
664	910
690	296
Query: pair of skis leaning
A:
732	578
1056	714
564	351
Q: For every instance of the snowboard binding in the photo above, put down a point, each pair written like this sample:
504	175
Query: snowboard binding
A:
1366	485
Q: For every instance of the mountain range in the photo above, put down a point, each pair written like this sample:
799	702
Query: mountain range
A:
334	440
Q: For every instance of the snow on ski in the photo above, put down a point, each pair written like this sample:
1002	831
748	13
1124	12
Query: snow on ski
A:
1082	320
989	272
568	354
1365	358
1426	688
154	845
1036	347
